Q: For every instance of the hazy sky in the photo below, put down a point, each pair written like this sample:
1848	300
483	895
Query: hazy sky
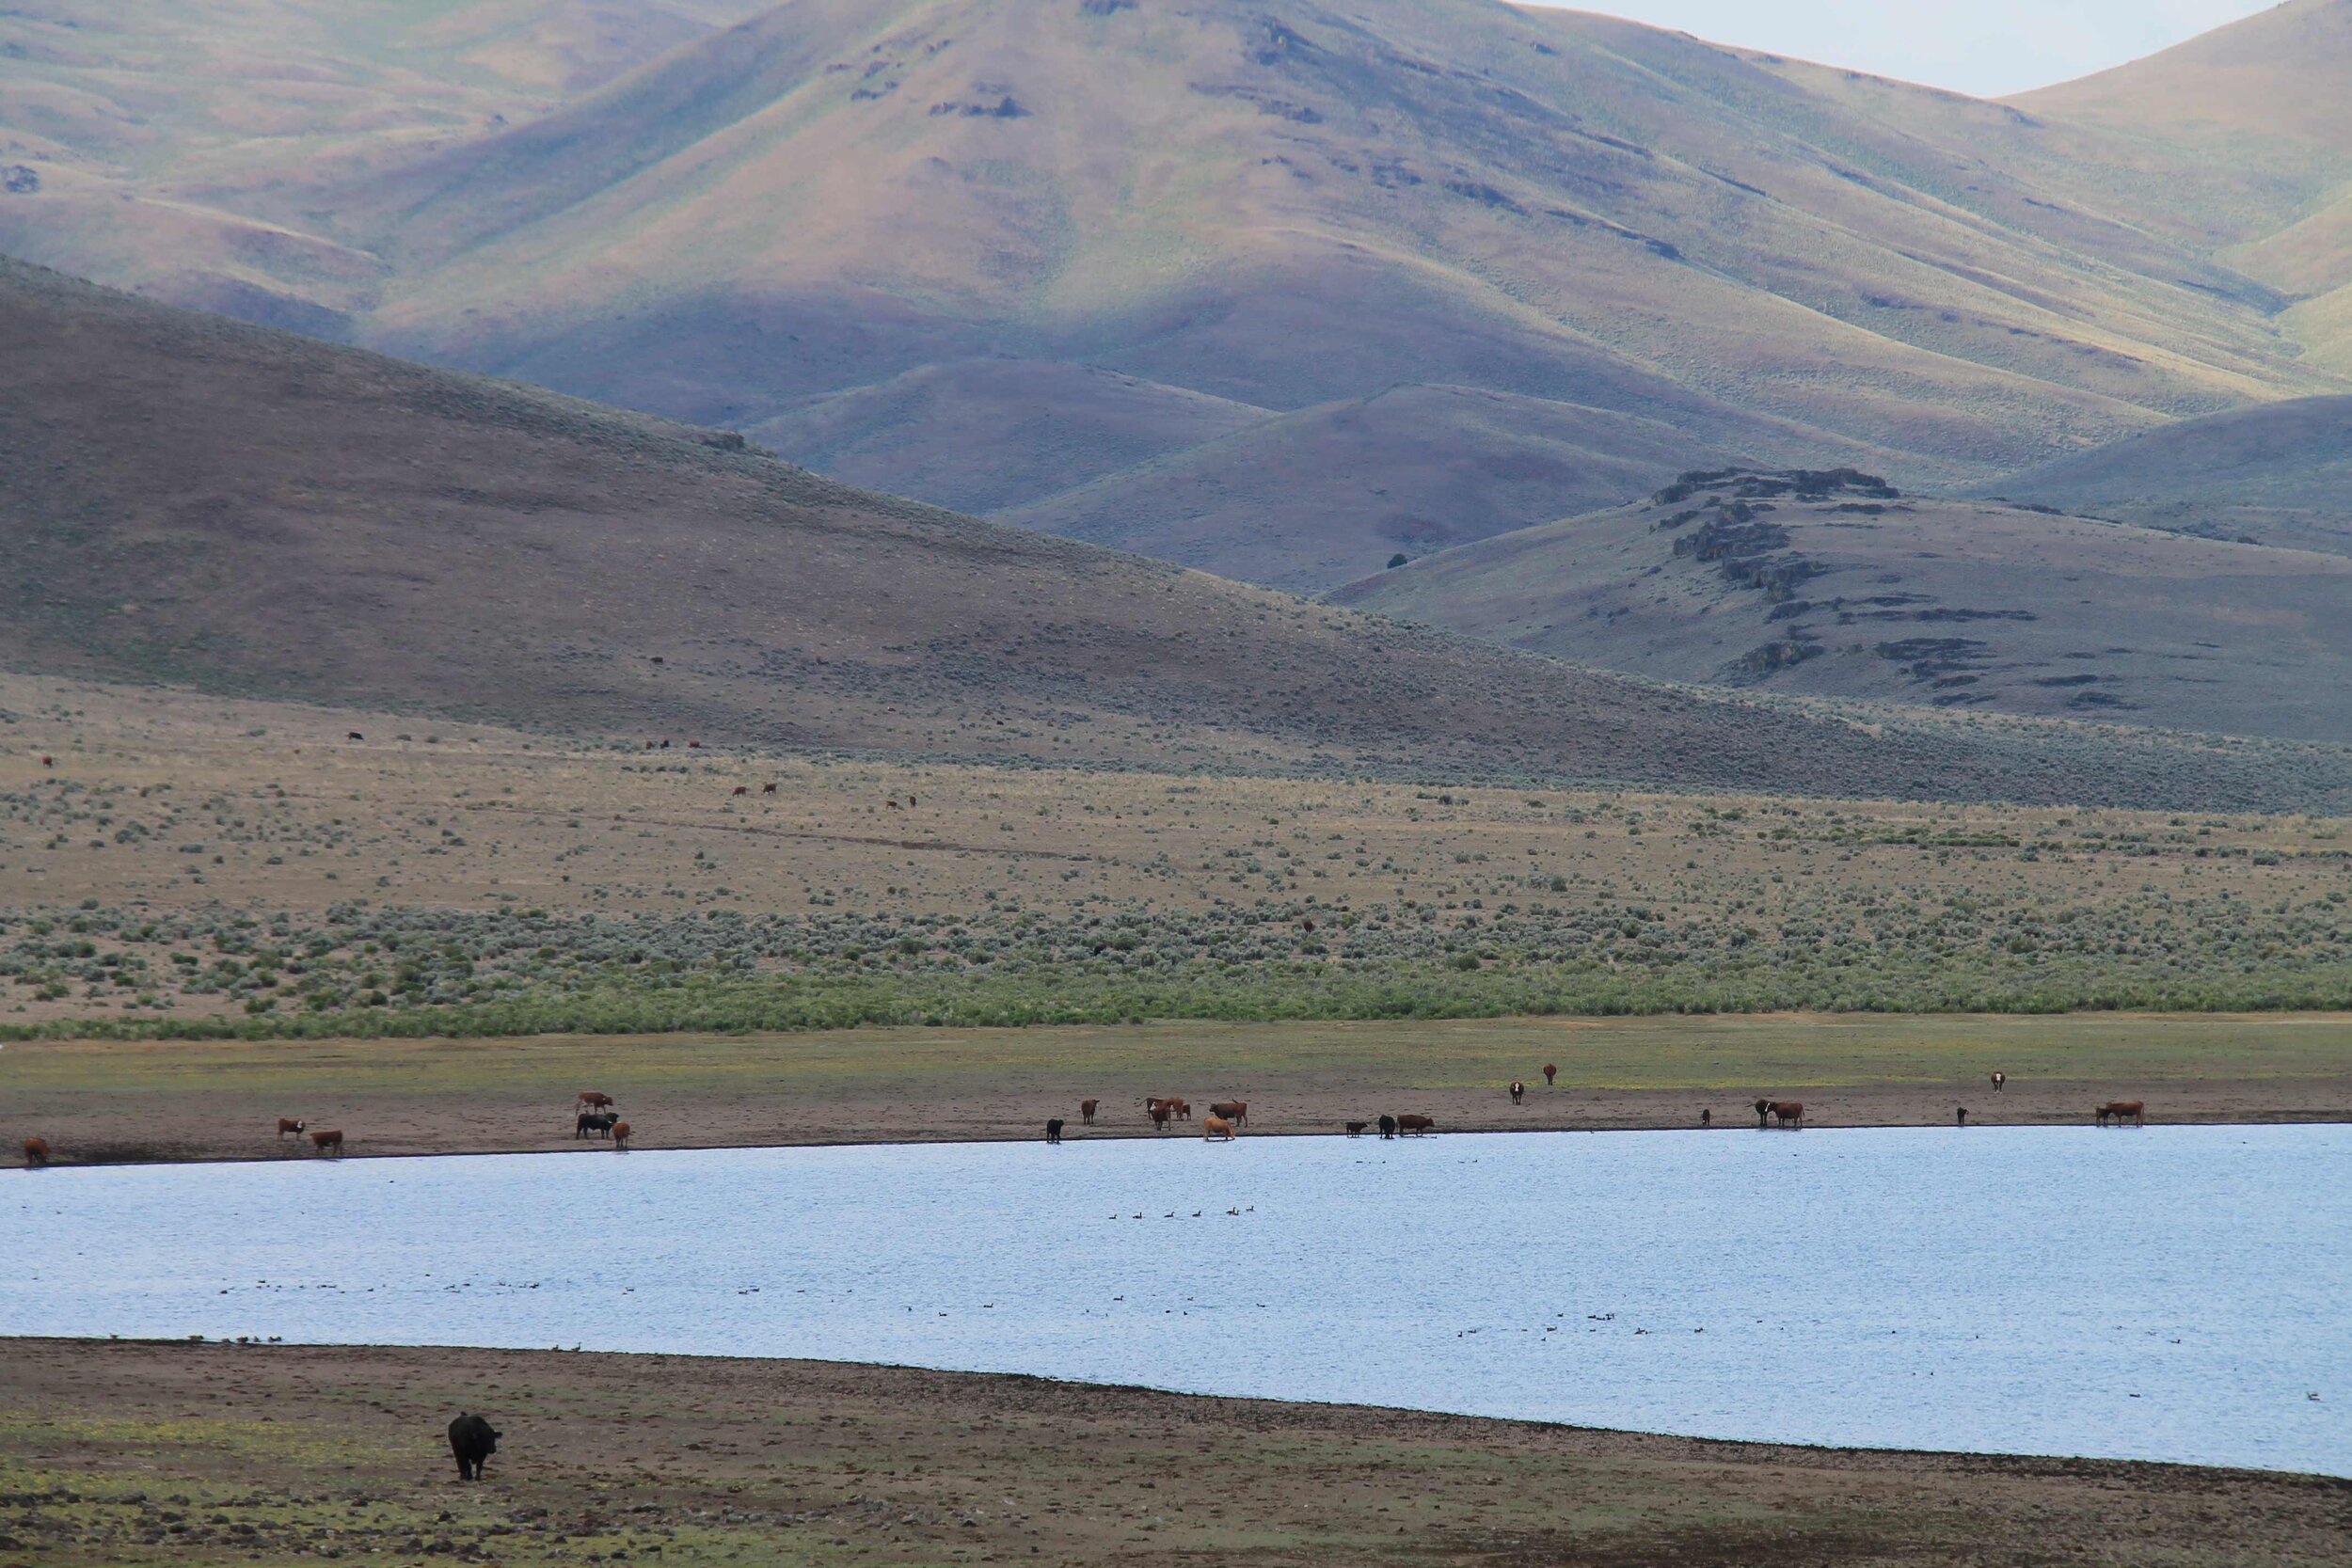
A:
1985	47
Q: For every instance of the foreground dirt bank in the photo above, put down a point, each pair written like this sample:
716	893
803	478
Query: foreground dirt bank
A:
130	1454
98	1102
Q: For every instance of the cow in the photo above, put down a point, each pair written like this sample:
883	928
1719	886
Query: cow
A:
1549	1074
472	1440
767	790
1707	1118
620	1137
892	804
1786	1111
2119	1109
354	734
2000	1081
1161	1112
910	802
1182	1108
1415	1124
49	762
1960	1115
1086	1111
1216	1127
1354	1128
288	1124
1052	1131
593	1124
740	789
1763	1112
694	745
1388	1127
1235	1111
1518	1092
36	1154
594	1101
328	1142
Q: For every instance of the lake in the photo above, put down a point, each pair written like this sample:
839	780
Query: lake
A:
2175	1292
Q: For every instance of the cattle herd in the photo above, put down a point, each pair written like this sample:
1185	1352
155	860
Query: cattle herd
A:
596	1115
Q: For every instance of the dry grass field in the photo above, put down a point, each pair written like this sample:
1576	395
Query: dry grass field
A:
128	1453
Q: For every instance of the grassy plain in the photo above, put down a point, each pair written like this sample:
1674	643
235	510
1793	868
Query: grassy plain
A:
128	1453
188	866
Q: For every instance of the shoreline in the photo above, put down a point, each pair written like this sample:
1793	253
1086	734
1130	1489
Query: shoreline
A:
1084	1135
284	1452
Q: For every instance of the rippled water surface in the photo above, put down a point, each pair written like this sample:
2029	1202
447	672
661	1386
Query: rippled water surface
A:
2161	1293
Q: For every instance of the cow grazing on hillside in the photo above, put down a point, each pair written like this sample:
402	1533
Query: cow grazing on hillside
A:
36	1154
49	762
1052	1131
1086	1111
288	1124
354	734
328	1142
767	790
472	1440
742	789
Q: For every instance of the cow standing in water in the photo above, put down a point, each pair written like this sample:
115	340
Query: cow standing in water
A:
1518	1092
2119	1109
1787	1111
1415	1124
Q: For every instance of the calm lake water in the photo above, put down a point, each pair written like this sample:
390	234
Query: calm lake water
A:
2175	1292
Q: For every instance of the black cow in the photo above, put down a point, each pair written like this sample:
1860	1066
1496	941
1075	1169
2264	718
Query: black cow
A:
472	1440
1052	1131
1388	1127
595	1123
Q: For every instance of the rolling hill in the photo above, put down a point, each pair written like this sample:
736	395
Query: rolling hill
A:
798	218
225	507
2280	474
1837	584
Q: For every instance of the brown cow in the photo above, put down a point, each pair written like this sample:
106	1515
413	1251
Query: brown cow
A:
1354	1127
742	789
354	734
36	1154
1786	1111
620	1136
2000	1082
1182	1108
694	745
328	1142
594	1101
767	790
1549	1074
1086	1110
1763	1112
1161	1112
1235	1111
288	1124
1415	1123
1216	1127
2119	1109
49	762
1518	1092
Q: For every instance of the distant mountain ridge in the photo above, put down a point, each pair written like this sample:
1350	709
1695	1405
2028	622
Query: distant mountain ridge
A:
795	218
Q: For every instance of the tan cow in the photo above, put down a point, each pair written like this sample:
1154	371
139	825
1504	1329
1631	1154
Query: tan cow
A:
1218	1127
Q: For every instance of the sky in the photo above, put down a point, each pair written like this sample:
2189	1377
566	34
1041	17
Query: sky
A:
1987	48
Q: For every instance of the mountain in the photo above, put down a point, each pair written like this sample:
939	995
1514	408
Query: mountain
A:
1837	584
825	208
225	507
2280	474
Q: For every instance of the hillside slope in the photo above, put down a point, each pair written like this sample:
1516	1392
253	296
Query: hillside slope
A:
1281	203
2280	474
222	506
1830	584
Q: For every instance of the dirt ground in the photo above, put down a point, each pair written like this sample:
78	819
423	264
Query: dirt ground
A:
128	1453
110	1101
